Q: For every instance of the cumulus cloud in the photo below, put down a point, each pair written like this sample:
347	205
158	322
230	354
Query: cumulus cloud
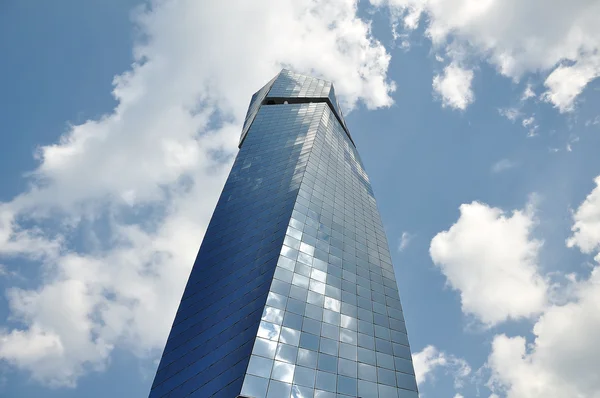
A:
586	226
118	206
490	258
562	359
516	37
566	82
430	360
454	87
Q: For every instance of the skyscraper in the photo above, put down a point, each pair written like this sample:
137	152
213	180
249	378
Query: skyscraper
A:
293	292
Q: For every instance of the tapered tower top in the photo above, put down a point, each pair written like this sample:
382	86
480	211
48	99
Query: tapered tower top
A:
290	87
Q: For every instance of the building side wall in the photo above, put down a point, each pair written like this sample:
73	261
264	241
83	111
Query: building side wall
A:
333	324
213	334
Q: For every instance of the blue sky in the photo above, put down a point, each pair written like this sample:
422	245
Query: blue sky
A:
477	123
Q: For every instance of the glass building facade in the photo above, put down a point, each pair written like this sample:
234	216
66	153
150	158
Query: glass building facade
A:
293	292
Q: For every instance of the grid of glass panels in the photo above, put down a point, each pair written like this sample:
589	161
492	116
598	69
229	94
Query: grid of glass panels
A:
288	84
254	106
294	85
333	324
209	346
292	293
336	107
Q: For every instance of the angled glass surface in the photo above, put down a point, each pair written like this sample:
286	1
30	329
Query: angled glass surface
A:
293	293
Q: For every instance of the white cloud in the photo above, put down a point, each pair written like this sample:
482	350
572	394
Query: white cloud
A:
586	227
402	38
592	122
150	171
516	112
454	87
528	121
404	241
503	165
528	93
565	83
430	360
491	259
510	113
4	270
563	358
530	124
517	37
572	140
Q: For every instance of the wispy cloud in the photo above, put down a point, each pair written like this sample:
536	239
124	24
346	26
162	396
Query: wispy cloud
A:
5	272
593	122
530	124
510	113
527	93
503	165
404	241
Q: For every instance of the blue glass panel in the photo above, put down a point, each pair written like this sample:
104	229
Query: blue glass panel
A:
292	293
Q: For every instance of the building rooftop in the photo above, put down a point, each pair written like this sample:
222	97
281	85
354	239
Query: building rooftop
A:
293	87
